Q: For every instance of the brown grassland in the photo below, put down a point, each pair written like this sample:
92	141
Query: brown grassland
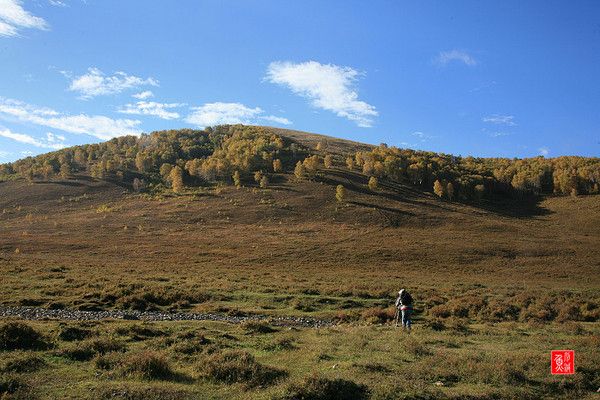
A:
497	286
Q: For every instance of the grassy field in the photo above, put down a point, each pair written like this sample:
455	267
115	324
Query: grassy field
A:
497	286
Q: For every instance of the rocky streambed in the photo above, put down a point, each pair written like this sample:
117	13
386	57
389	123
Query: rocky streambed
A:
38	313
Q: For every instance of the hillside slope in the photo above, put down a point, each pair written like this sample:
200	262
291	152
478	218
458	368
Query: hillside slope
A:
291	247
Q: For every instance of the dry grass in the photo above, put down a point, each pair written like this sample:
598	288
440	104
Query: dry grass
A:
497	286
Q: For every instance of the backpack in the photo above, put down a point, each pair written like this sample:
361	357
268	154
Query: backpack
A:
406	298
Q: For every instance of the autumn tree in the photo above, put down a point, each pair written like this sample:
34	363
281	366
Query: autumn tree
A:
340	193
350	162
300	171
264	181
277	166
373	183
258	175
328	161
176	178
311	164
65	171
438	188
237	180
165	171
450	191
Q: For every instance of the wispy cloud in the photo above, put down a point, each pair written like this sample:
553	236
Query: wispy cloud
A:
143	95
160	110
13	17
499	134
544	151
27	139
219	113
422	136
57	3
446	57
5	154
328	87
96	83
278	120
497	119
95	125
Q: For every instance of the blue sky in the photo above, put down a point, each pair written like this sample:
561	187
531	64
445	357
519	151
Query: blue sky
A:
483	78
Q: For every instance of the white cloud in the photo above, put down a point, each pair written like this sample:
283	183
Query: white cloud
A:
422	136
278	120
499	134
4	154
500	119
446	57
143	95
96	83
95	125
159	110
22	138
327	86
13	17
211	114
57	3
544	151
218	113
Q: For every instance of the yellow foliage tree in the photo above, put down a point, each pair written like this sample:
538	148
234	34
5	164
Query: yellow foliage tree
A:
373	183
328	161
450	191
176	177
277	166
264	182
300	171
237	180
438	188
340	193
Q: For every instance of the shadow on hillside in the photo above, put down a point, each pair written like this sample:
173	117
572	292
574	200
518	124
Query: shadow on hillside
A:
60	183
525	207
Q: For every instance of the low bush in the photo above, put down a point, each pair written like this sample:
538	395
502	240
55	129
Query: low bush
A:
71	333
24	363
147	365
136	392
316	387
108	361
87	349
257	327
378	315
190	346
20	336
239	367
14	387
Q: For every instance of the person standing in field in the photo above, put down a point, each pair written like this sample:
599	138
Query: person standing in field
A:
404	306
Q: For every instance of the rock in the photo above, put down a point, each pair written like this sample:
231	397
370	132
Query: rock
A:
439	383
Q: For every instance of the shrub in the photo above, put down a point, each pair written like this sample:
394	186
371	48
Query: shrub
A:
257	327
320	388
239	367
190	345
13	387
378	315
71	333
147	365
24	363
87	349
129	392
20	336
108	361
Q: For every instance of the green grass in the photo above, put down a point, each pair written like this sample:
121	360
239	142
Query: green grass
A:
506	360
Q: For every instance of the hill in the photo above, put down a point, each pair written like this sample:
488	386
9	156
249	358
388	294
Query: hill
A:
500	274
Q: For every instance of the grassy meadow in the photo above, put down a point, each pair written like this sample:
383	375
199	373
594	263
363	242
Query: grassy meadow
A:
497	286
